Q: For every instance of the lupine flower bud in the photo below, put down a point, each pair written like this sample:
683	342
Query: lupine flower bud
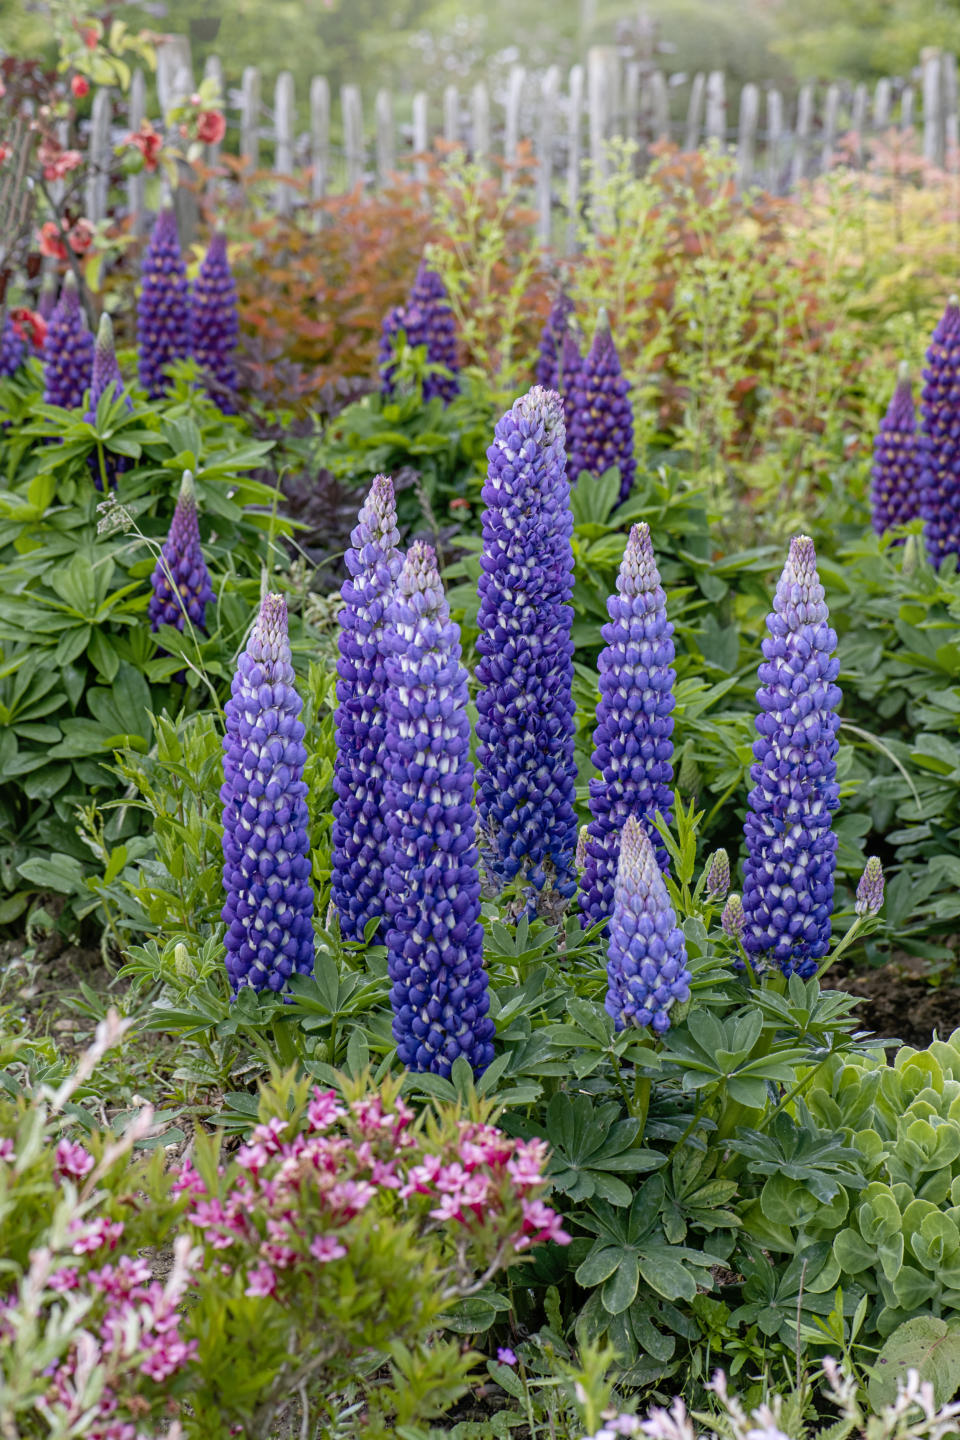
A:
632	740
601	428
266	850
939	455
13	349
718	875
733	920
163	311
67	351
434	937
426	319
646	955
791	848
359	817
581	855
47	299
525	755
181	581
870	889
551	342
106	373
895	489
571	374
214	325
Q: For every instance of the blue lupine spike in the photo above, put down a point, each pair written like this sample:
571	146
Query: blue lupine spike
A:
870	889
646	954
551	341
163	310
895	485
105	373
67	351
426	319
601	427
13	349
939	455
181	582
214	325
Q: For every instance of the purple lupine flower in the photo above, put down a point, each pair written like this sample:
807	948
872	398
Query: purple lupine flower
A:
939	454
895	487
434	938
266	849
214	326
870	889
359	816
525	730
571	375
791	847
718	875
601	429
105	373
646	954
633	745
732	920
181	581
426	319
47	299
163	311
551	341
67	351
13	349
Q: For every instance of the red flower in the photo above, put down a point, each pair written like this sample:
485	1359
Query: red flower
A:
90	37
80	86
56	162
211	127
148	142
29	325
81	237
50	242
4	152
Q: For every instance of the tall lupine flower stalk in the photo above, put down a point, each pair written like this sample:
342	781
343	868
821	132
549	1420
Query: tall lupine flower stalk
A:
47	299
266	850
105	373
214	325
434	938
359	817
67	351
646	955
551	341
571	373
181	581
939	450
633	745
791	847
426	319
601	428
163	310
13	349
525	730
895	487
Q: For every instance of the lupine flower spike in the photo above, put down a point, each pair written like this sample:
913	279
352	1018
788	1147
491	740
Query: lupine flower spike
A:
633	745
525	730
266	850
646	956
426	319
67	351
718	875
434	937
105	374
571	374
213	324
551	341
13	349
47	299
870	889
163	310
359	819
181	581
895	488
733	920
939	452
601	429
791	847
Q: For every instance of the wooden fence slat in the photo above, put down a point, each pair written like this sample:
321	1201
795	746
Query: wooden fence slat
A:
574	154
881	104
774	140
480	124
798	165
137	184
213	70
351	108
659	105
421	134
285	132
546	133
320	135
250	116
451	114
858	120
602	75
716	125
698	90
932	107
173	57
386	155
831	114
99	156
511	130
631	103
906	108
747	134
950	127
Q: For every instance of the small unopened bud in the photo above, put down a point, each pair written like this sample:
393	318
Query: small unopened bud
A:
580	859
870	889
718	875
688	776
733	919
182	963
912	555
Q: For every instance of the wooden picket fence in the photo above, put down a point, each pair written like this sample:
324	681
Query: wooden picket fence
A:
567	123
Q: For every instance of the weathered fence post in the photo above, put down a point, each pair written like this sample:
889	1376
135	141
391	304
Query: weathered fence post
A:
480	124
421	135
574	155
284	126
906	108
250	117
451	114
659	105
631	103
695	111
602	67
798	165
774	140
881	104
213	70
386	157
932	106
511	128
136	184
858	121
174	86
351	107
831	112
717	107
949	84
320	135
546	132
747	134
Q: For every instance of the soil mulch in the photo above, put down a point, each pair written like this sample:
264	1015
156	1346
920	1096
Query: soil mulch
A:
899	1003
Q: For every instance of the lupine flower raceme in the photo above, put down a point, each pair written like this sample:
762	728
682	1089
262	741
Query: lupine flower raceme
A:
571	375
181	583
434	938
105	374
67	351
13	349
163	310
426	319
718	875
47	299
214	325
551	341
870	889
268	910
732	919
633	748
791	847
601	427
359	818
646	953
895	484
939	451
525	730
